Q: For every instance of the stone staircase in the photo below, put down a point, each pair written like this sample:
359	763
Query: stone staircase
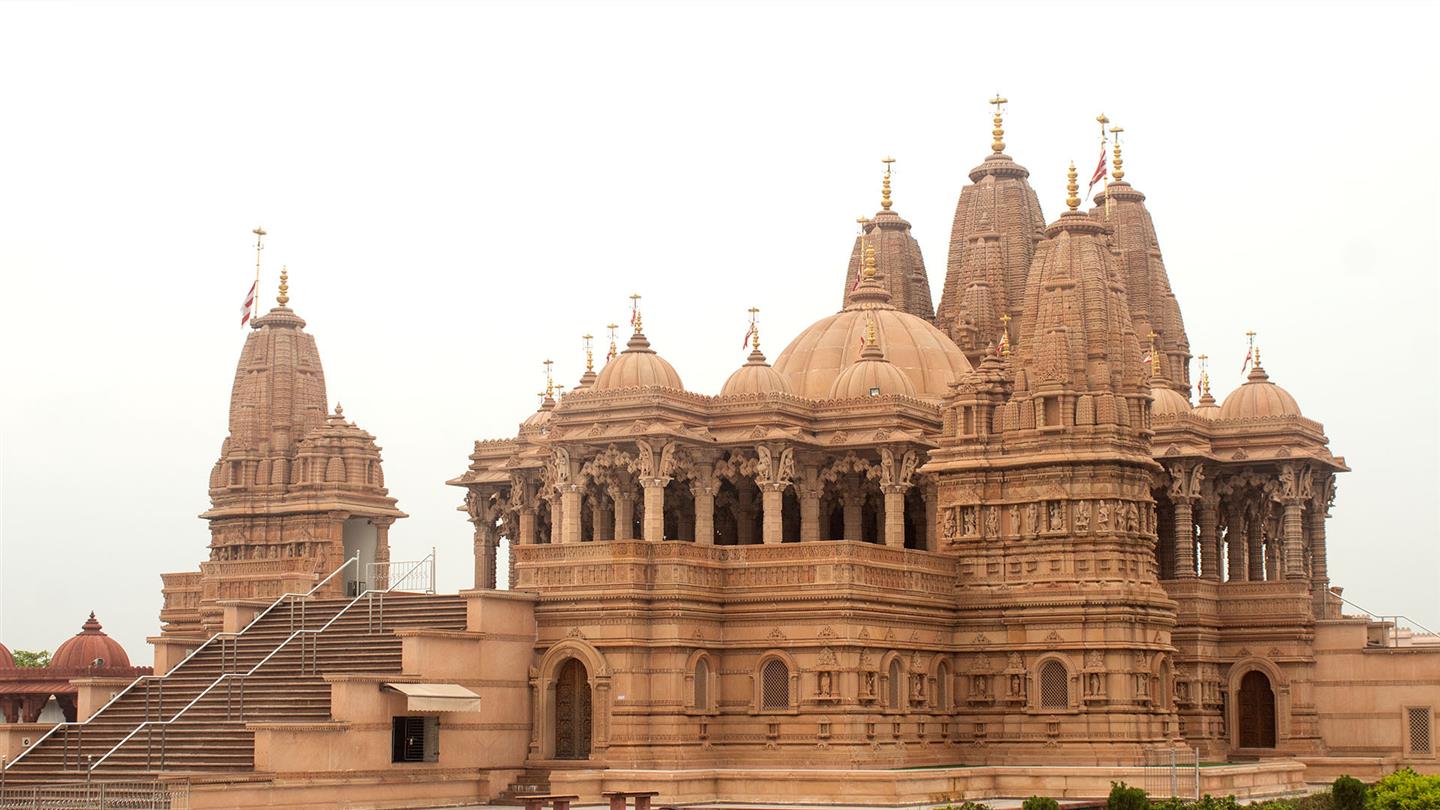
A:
532	780
210	736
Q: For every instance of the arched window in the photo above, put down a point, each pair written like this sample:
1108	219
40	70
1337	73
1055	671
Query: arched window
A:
897	685
1054	686
702	686
775	685
942	687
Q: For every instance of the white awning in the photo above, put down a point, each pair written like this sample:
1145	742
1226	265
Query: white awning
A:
436	697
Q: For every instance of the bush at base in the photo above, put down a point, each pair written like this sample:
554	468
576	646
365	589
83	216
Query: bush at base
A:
1404	790
965	806
1039	803
1348	793
1123	797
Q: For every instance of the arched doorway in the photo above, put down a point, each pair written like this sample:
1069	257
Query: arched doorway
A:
572	711
1256	711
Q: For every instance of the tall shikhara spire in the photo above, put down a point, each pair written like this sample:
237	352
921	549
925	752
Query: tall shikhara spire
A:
992	241
1153	306
901	268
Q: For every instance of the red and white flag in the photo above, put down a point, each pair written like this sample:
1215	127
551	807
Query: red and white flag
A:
247	310
1004	345
1100	171
748	333
1249	355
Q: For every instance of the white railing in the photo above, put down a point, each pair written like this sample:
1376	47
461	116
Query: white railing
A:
414	575
375	624
1392	639
1172	773
219	639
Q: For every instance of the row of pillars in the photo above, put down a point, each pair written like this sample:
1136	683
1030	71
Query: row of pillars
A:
1248	557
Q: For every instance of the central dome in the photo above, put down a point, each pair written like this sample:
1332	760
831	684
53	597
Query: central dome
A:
814	359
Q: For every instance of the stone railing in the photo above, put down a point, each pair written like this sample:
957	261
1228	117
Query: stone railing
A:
770	568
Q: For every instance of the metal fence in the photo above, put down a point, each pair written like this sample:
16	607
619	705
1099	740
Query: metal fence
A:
95	796
1171	773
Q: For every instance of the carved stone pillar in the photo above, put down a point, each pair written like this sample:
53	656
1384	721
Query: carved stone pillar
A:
654	508
1184	538
809	490
1255	546
624	512
745	514
527	526
852	501
597	518
569	514
1294	539
704	492
1209	520
931	492
1235	552
1319	575
1273	549
772	498
894	514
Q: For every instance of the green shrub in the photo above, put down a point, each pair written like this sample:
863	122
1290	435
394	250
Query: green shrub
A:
1348	793
1315	801
1039	803
1126	798
1404	790
965	806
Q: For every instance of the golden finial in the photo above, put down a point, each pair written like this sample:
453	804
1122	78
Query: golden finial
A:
1118	173
549	379
635	313
1073	186
1154	355
998	144
284	297
869	331
1254	352
612	327
1004	334
1204	374
885	184
589	351
869	272
755	328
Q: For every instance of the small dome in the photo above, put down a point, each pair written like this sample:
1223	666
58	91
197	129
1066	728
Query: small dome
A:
755	377
871	376
1168	401
7	661
541	417
89	648
1259	398
638	366
1206	407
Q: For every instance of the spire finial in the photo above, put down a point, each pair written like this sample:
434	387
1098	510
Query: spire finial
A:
755	328
612	327
1204	374
549	379
284	297
868	273
259	246
869	330
589	351
635	313
1004	347
1154	355
1118	173
885	184
1073	186
998	145
1254	350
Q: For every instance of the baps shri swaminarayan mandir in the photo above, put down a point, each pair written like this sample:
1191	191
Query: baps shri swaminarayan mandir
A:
1006	544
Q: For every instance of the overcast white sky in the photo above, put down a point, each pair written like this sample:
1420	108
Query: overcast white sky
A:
461	191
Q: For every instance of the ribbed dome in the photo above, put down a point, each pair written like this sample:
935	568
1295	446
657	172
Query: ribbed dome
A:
90	647
7	661
872	376
1206	407
755	377
1168	401
638	366
542	416
814	359
1259	397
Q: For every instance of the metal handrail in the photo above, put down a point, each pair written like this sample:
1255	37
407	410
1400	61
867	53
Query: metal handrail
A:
150	725
1394	625
66	726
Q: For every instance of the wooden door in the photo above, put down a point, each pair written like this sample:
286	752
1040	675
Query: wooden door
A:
1256	707
572	712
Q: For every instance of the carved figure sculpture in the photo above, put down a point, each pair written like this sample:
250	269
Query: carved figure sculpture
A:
1082	517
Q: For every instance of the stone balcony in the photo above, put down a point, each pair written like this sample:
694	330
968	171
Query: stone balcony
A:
807	569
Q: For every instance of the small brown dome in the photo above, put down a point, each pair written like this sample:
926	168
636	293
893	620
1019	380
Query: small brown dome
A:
755	377
7	661
871	376
541	417
89	648
638	366
1168	402
1259	398
1206	407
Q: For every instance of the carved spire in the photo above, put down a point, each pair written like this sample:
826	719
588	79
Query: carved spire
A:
998	133
901	268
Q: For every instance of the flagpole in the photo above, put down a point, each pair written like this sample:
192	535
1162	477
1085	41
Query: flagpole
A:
259	246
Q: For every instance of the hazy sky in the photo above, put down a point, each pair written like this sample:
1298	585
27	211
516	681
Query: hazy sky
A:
461	191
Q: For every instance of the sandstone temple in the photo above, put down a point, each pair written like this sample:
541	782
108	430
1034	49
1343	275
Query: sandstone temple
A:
1002	544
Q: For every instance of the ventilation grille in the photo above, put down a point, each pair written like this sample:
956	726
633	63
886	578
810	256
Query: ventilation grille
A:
1422	741
775	685
1054	686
